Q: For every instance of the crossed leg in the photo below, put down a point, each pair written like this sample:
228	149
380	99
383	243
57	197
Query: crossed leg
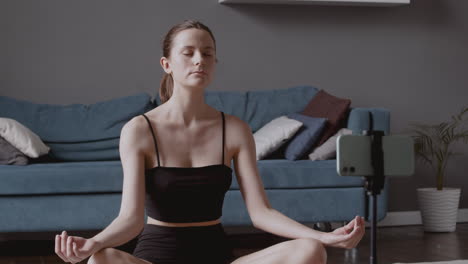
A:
297	251
115	256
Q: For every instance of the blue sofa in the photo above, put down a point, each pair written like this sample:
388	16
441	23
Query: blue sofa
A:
81	188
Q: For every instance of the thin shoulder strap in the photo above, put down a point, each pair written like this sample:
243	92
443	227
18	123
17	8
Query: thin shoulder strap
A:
222	114
154	138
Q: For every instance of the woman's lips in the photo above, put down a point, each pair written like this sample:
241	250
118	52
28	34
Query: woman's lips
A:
200	72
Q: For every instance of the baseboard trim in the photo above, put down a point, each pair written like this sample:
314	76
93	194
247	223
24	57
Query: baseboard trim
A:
414	218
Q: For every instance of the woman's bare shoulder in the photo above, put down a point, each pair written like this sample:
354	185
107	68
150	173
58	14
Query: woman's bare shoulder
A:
134	132
235	122
134	126
239	131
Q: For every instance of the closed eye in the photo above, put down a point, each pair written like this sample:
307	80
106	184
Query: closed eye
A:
190	54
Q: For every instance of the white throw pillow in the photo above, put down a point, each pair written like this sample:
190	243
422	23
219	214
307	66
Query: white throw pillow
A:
328	149
22	138
272	135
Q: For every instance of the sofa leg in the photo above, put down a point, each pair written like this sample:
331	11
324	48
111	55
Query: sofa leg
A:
323	226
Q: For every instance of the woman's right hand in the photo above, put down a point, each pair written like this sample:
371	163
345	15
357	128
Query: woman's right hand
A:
347	236
74	249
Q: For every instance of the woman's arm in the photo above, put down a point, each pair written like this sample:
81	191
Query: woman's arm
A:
263	216
130	220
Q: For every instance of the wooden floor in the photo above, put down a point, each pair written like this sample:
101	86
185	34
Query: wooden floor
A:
395	244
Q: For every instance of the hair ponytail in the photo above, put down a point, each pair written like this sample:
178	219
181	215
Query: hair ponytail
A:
167	83
166	88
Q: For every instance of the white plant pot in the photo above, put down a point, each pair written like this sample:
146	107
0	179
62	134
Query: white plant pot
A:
439	208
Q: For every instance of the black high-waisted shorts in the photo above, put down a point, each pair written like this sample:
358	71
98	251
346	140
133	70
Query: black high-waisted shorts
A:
195	244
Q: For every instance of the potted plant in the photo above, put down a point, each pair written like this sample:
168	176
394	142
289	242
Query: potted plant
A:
433	145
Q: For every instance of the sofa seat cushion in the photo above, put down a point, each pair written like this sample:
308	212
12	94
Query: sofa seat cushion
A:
61	177
301	174
107	177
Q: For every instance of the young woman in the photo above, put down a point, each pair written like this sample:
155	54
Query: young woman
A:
176	159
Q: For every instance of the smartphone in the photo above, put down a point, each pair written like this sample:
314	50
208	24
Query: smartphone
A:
353	155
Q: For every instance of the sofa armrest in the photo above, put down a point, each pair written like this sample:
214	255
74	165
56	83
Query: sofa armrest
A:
359	119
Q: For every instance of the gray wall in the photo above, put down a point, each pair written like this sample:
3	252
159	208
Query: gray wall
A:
410	59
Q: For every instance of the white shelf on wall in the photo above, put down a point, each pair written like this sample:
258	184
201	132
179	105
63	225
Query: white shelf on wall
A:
320	2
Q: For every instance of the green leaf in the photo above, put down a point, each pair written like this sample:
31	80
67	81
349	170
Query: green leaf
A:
432	143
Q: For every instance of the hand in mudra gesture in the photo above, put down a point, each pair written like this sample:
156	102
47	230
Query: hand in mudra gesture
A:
347	236
74	249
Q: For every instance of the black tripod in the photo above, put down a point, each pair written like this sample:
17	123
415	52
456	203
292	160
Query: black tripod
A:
374	184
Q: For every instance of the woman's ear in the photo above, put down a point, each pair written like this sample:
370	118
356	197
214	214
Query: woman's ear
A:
165	65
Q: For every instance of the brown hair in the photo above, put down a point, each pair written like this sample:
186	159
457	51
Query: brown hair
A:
167	83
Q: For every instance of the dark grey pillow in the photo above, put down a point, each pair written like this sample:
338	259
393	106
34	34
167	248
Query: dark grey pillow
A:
9	155
306	137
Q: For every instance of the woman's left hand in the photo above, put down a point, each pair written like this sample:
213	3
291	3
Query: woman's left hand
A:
347	236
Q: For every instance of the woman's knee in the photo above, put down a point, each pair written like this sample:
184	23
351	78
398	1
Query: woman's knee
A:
311	250
103	256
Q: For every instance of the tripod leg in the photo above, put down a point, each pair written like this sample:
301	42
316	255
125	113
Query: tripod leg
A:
373	257
323	226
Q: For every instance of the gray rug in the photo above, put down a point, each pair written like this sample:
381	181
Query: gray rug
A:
465	261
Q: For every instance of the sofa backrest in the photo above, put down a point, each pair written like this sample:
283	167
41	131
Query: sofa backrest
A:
78	131
259	107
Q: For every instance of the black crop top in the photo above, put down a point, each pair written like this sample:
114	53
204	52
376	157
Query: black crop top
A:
186	194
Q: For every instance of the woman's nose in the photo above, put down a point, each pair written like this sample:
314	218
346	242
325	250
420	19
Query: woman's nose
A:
197	58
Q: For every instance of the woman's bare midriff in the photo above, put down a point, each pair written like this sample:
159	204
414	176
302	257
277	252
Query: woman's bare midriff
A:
153	221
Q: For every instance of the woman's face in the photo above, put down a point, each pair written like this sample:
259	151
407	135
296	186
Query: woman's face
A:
192	58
